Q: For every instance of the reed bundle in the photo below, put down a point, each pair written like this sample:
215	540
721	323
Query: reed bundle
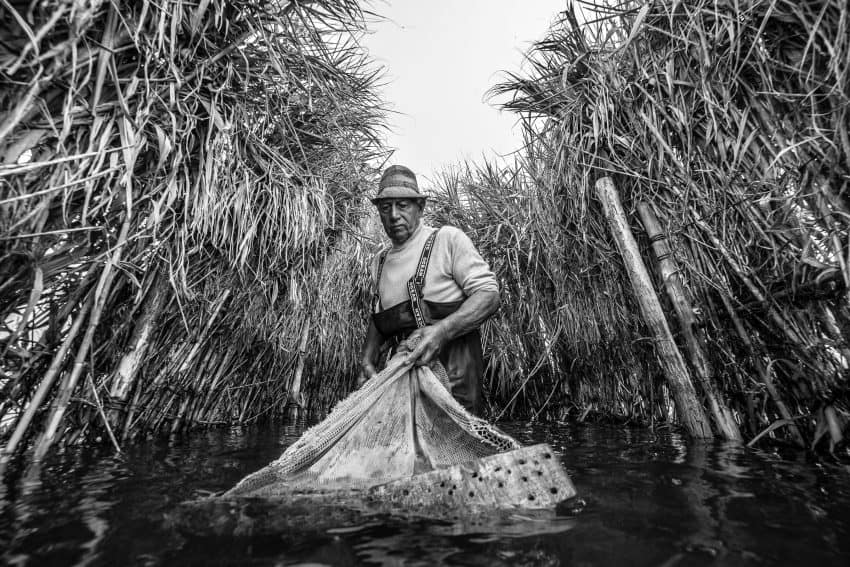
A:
173	176
563	342
727	122
183	234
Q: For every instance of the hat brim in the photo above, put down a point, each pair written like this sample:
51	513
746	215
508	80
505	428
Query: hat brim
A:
397	192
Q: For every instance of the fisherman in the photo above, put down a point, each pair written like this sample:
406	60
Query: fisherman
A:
433	291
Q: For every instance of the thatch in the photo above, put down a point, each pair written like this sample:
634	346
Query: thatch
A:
174	175
182	233
563	342
730	121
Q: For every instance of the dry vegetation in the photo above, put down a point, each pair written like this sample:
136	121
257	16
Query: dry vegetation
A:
173	176
728	123
182	234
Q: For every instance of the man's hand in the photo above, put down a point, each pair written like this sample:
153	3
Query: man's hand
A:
373	343
367	372
424	344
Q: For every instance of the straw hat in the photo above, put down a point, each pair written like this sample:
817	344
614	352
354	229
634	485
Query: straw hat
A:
398	182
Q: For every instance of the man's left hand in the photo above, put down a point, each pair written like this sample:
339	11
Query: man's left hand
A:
424	344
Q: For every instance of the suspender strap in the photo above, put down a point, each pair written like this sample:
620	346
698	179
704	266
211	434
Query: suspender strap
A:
422	267
417	282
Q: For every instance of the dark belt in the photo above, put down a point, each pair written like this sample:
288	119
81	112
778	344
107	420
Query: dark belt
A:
462	357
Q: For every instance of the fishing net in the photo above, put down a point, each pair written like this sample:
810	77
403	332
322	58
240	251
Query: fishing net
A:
401	423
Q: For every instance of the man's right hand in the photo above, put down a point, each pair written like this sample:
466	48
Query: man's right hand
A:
367	371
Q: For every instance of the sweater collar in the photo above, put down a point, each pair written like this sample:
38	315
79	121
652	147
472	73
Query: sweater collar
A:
421	230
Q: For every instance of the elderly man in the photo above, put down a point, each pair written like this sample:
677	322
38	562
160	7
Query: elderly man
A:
433	291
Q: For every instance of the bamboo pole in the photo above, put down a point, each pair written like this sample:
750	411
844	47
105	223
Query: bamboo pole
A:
778	319
134	356
47	382
689	408
672	278
765	373
201	338
45	343
60	404
155	393
736	372
103	414
131	411
295	389
223	371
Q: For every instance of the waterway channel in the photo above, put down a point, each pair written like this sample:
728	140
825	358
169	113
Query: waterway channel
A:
647	498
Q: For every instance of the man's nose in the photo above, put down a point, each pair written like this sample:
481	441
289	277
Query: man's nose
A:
394	211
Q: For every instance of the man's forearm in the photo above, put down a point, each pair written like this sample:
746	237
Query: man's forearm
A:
472	313
374	340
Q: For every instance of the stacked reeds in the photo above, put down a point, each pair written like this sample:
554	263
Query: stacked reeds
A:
181	216
724	126
174	174
563	343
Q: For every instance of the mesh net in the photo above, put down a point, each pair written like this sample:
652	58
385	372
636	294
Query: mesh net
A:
402	422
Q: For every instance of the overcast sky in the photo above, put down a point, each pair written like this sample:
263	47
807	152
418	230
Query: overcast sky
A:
441	57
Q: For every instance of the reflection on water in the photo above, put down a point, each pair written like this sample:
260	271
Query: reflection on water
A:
650	498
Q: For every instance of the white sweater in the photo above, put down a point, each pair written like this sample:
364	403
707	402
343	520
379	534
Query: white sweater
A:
455	272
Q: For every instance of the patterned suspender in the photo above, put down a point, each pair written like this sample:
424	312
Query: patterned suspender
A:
417	282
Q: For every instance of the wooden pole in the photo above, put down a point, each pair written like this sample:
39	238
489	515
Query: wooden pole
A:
672	278
679	381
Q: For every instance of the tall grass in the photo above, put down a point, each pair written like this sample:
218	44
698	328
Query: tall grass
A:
184	239
171	172
729	120
563	343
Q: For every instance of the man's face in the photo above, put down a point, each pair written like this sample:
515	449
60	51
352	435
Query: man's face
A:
400	218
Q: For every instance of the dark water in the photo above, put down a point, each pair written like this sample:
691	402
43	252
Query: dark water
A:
651	499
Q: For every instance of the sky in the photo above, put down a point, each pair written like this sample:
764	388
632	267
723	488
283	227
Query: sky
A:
440	59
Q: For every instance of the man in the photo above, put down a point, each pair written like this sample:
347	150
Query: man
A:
433	291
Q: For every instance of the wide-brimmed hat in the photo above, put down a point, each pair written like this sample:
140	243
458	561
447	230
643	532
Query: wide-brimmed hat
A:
398	182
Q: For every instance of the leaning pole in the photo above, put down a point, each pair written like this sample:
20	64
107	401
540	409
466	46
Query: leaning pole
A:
672	278
688	406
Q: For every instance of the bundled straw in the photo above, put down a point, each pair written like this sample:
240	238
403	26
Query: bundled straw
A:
726	123
173	176
180	182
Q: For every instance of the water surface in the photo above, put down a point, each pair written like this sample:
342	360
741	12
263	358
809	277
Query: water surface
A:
650	499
